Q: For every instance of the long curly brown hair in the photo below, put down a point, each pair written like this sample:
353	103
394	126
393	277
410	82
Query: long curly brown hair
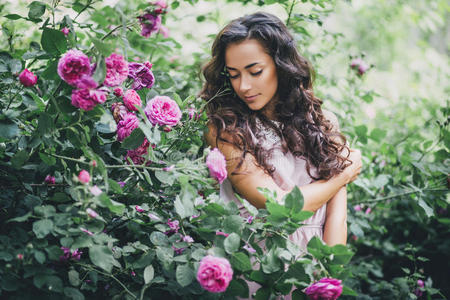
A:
304	131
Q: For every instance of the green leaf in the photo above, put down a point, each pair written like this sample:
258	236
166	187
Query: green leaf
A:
134	140
112	205
102	257
241	262
270	262
238	287
74	278
45	123
42	227
21	218
106	124
5	256
100	71
294	201
159	239
165	177
13	16
341	254
232	243
60	197
53	41
40	256
378	134
262	294
73	293
8	130
51	282
184	275
426	208
47	159
233	223
19	159
298	295
105	49
149	273
361	132
37	9
184	208
348	291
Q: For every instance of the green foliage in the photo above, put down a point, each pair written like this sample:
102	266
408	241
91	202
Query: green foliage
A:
129	253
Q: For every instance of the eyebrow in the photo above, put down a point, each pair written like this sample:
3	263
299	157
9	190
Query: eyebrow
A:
246	67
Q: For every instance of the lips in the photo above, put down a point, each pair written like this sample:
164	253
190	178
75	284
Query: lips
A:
251	98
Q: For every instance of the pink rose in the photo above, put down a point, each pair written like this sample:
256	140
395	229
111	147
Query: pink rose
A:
357	207
86	82
188	239
363	67
217	165
20	256
139	209
129	123
162	110
116	70
118	92
87	99
84	176
160	7
27	78
49	179
73	65
65	30
173	225
368	210
92	213
149	24
324	289
214	274
132	98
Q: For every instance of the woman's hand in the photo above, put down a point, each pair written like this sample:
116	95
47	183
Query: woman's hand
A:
352	171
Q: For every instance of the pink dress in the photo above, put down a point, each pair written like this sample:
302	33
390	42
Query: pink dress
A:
289	171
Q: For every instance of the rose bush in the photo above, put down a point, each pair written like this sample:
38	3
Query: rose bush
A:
144	213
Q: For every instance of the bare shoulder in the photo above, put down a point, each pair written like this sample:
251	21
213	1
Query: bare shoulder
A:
330	116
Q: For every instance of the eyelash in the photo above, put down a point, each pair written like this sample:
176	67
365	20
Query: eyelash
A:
253	74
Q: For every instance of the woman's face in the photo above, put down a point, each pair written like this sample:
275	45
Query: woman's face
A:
253	75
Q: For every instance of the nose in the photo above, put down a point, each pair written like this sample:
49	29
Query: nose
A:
245	84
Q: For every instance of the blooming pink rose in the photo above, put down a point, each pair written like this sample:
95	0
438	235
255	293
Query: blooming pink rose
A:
87	99
138	155
141	74
27	78
217	165
129	123
49	179
73	65
86	82
132	98
162	110
150	23
65	30
118	92
95	190
84	176
188	239
116	70
91	213
324	289
214	274
173	225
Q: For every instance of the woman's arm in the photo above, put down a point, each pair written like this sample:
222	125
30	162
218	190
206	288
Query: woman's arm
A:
335	229
251	177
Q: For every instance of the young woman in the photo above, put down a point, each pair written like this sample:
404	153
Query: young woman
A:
271	127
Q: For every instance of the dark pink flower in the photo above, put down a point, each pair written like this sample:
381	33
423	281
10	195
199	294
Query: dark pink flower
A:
133	273
139	209
217	165
420	287
116	70
173	225
249	219
118	92
357	207
141	74
188	239
137	155
49	179
167	129
192	113
73	65
150	23
162	110
76	254
131	99
218	232
84	176
178	251
86	82
355	63
324	289
129	123
121	183
214	274
160	7
249	248
368	210
20	256
87	99
27	78
65	30
92	213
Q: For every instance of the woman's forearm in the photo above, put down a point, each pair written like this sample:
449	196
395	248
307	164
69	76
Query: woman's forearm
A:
335	229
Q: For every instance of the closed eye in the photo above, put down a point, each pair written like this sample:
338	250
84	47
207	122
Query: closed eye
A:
253	74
